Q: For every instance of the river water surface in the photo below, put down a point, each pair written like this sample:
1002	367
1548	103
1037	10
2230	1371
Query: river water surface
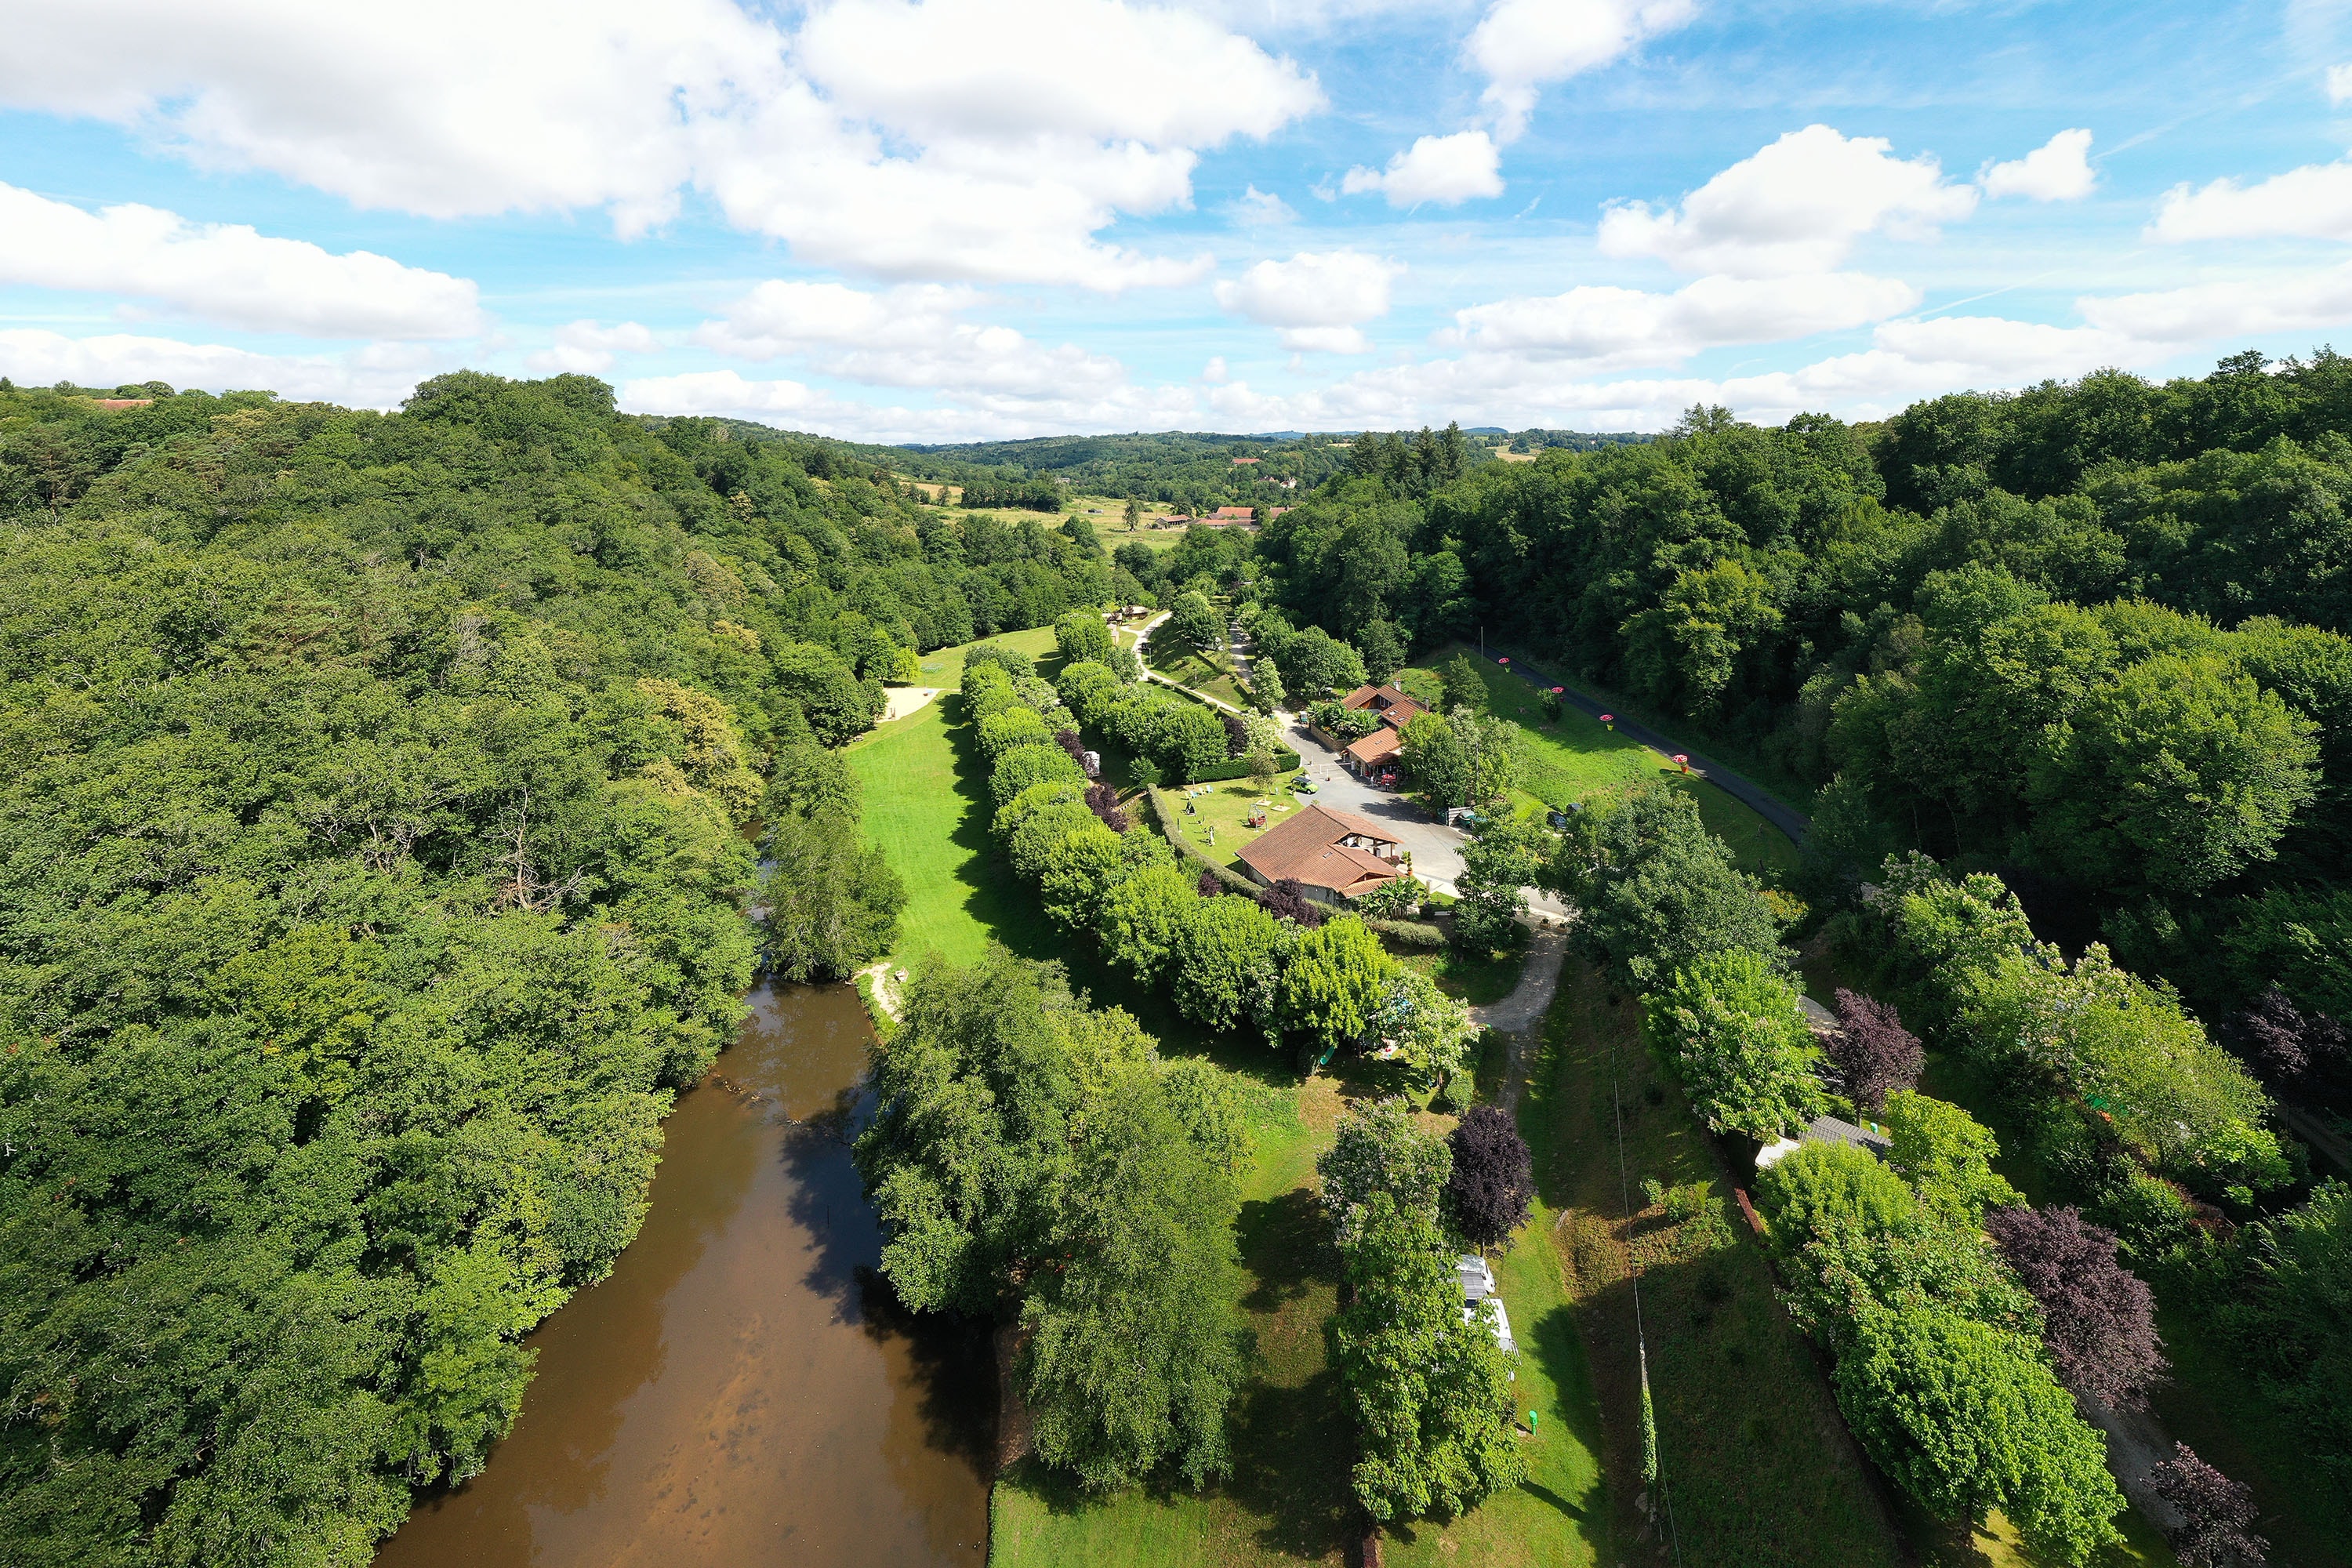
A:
743	1389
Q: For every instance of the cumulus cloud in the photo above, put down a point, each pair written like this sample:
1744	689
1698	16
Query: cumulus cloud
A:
377	376
1609	329
1447	170
589	348
2238	309
227	273
913	335
1523	44
2057	170
2315	201
1256	208
1795	206
954	137
1316	300
2339	83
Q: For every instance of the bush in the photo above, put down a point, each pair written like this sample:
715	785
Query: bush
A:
1000	732
1081	636
1032	764
1431	1392
1730	1031
1333	984
1947	1155
1657	890
1871	1050
1228	958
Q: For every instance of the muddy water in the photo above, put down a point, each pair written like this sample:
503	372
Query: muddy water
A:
743	1389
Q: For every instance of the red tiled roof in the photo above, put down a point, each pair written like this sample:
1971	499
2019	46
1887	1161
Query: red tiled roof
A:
1307	850
1380	743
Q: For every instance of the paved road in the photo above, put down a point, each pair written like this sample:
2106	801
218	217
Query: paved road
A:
1749	793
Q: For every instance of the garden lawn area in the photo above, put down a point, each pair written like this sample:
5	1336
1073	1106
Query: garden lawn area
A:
1564	760
1477	978
1204	673
1756	1458
1225	806
944	666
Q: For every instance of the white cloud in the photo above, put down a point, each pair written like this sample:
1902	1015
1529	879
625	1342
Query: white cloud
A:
2315	201
1094	69
1609	329
913	335
589	348
2339	83
1255	208
227	273
1447	170
378	375
963	415
1522	44
1797	205
2240	308
951	139
2058	171
1314	299
1215	369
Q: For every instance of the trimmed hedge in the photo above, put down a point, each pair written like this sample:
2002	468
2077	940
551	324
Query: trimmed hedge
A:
1174	833
1412	933
1238	767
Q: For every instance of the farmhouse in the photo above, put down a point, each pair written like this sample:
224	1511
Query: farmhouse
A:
1334	856
1394	708
1375	753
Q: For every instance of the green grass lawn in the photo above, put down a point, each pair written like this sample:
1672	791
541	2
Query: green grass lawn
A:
1477	978
1206	673
944	666
1225	806
1758	1462
1566	759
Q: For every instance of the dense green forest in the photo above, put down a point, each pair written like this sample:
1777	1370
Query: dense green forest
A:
2063	676
374	862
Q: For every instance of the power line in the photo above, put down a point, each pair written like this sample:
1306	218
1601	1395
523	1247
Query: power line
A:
1641	1339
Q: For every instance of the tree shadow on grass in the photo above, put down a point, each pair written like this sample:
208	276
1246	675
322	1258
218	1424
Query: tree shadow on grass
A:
1286	1243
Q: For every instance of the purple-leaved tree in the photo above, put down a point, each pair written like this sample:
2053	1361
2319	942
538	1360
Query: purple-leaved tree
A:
1494	1177
1873	1052
2099	1318
2215	1514
1288	900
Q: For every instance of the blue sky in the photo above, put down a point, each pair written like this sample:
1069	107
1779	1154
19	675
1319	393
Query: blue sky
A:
961	219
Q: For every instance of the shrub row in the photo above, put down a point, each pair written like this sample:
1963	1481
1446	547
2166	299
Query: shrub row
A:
1226	961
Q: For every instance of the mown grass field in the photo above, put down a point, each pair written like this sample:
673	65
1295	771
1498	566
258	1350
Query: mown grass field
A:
1757	1461
1566	759
1210	673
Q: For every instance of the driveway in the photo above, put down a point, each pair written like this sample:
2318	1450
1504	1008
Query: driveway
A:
1436	848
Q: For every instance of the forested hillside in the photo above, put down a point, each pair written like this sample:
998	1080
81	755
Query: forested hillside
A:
2090	632
2065	681
373	856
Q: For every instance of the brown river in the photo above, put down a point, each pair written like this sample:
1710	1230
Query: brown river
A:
743	1389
